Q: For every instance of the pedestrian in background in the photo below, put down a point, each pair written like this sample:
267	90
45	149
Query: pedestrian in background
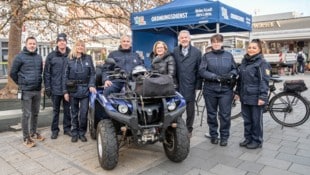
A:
301	60
252	88
162	60
218	69
187	58
78	82
26	72
54	70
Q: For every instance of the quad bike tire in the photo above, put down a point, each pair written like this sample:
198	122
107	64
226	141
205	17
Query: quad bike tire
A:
176	143
107	146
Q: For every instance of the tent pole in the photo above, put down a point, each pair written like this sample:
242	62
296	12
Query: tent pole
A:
217	27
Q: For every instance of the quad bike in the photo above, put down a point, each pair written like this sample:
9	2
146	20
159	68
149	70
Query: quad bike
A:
133	118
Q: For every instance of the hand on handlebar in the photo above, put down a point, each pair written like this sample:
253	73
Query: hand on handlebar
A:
107	83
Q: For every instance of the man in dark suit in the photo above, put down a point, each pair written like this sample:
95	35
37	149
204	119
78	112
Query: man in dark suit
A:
187	58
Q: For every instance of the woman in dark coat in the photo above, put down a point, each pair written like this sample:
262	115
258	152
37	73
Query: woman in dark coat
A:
162	61
252	88
79	70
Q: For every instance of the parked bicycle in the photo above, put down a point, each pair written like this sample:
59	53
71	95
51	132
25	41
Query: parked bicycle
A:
288	107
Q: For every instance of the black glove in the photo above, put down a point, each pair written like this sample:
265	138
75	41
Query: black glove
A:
48	92
226	77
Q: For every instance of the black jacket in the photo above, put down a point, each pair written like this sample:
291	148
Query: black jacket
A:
253	81
217	64
82	71
187	71
125	60
26	70
164	65
54	70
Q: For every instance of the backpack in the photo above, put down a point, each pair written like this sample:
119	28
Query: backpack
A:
300	58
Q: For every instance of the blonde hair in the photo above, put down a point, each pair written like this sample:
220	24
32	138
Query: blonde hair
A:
160	42
73	53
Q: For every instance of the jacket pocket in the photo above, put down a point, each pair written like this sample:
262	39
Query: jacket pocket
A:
252	90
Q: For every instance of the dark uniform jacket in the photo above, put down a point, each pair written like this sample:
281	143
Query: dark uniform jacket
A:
54	70
125	60
214	66
26	70
82	71
165	65
253	79
188	78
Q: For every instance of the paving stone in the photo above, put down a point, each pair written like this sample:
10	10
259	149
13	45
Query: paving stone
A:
294	158
196	171
288	150
175	168
6	168
249	157
221	169
288	143
154	171
301	169
304	146
303	153
69	171
250	166
275	171
281	164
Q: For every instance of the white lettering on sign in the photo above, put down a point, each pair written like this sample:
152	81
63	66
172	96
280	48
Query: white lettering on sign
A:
236	17
203	12
169	16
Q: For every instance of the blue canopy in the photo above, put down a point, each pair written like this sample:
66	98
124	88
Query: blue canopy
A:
197	16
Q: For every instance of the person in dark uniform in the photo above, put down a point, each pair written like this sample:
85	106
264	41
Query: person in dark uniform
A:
162	60
78	82
126	60
252	88
218	68
53	74
187	58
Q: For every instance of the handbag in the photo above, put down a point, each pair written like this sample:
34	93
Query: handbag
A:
155	85
71	86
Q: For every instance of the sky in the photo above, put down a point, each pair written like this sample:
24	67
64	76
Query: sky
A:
264	7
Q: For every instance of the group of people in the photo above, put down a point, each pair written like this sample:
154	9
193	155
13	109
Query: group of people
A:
69	77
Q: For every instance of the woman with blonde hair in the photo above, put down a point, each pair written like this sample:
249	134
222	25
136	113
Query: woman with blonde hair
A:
78	81
162	60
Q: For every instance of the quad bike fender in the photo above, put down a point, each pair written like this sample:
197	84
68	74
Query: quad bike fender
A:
171	116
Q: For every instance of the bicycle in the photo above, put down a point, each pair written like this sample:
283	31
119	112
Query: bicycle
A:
287	108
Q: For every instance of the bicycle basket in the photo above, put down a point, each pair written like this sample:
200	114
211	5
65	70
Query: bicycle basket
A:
295	86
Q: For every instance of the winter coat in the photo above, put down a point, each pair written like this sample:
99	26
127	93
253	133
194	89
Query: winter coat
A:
125	60
214	66
188	78
82	71
54	70
164	65
253	81
26	70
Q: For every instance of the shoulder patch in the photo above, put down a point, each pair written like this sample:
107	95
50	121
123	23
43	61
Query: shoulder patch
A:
267	71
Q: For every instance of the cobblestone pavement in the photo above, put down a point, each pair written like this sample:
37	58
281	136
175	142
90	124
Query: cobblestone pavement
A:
285	151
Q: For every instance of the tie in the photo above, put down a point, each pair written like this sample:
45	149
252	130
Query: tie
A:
184	51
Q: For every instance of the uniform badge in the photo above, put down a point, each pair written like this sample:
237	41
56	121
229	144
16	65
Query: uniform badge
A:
86	63
135	61
267	71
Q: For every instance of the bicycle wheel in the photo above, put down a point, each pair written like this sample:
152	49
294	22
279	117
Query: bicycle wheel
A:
289	109
235	109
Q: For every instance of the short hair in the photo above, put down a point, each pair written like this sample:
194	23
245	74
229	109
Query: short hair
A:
30	37
217	37
185	31
160	42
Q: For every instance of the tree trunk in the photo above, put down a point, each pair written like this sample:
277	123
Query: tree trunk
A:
15	34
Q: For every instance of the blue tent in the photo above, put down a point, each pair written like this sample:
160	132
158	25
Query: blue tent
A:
197	16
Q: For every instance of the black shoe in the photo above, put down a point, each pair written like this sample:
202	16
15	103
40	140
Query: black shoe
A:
68	133
223	142
254	145
244	143
83	138
214	140
54	136
74	139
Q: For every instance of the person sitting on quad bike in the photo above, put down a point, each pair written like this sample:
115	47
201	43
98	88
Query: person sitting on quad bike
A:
126	60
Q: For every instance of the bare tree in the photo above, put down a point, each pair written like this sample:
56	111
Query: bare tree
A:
78	18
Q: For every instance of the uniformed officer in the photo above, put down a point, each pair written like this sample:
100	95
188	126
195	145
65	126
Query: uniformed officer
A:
78	81
218	69
252	88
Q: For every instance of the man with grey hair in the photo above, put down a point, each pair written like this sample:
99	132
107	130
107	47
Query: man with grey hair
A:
187	58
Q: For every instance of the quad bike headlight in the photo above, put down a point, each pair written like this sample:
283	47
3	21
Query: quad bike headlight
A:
122	109
171	106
